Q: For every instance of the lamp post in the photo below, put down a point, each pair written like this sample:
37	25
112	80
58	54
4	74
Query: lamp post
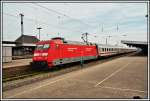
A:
147	23
21	15
58	24
39	28
107	39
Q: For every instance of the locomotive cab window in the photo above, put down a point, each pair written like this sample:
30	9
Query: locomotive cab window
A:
46	46
41	46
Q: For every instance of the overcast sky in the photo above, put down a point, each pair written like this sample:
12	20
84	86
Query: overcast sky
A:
73	19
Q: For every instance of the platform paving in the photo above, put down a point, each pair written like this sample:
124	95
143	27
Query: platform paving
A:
17	63
121	78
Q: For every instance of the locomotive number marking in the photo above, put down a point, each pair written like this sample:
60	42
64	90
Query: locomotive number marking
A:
88	49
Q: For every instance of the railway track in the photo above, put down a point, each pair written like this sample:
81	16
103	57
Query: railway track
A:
65	68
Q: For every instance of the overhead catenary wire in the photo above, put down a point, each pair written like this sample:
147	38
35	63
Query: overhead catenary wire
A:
30	19
59	13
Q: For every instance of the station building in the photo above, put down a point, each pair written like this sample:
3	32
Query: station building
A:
22	47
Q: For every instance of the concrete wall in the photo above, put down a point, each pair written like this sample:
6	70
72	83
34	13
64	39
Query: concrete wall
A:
7	53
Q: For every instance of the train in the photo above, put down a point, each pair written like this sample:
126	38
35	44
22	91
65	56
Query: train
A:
58	51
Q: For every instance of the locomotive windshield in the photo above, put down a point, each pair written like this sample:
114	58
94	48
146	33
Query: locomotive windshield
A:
42	46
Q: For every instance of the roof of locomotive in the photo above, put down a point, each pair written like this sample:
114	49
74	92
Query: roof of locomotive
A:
43	42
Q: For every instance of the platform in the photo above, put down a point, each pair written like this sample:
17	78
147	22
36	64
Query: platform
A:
124	77
17	63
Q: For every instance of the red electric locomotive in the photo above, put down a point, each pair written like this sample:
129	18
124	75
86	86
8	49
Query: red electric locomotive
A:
58	51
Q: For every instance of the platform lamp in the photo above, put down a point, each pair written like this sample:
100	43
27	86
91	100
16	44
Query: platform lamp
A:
146	15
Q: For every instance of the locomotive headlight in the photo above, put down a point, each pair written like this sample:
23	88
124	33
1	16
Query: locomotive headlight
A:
44	54
36	54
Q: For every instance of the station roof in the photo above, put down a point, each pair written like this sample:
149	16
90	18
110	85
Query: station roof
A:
9	43
23	40
27	39
139	44
135	43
